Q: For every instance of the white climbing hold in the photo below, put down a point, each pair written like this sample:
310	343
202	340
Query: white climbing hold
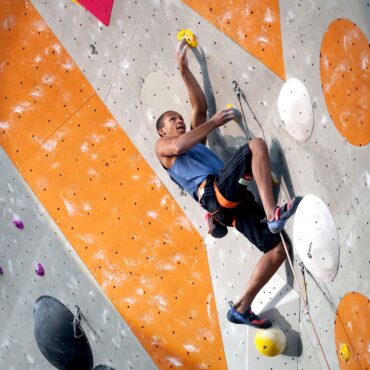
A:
315	238
295	110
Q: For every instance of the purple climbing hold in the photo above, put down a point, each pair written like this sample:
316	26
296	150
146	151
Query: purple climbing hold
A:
40	270
1	271
17	222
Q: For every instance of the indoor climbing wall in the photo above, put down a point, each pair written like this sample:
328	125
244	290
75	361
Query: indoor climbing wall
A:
78	124
127	230
37	240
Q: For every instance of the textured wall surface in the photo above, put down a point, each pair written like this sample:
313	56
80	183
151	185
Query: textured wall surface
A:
78	106
66	278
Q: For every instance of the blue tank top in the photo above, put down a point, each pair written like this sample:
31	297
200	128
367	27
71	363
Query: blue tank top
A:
192	167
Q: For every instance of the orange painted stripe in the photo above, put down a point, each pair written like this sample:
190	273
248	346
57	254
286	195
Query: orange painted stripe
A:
107	201
254	25
35	100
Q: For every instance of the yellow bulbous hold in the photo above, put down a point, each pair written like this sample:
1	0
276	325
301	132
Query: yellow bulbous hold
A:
344	352
270	342
190	38
238	117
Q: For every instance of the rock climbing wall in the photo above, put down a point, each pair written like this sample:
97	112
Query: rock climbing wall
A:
79	101
65	277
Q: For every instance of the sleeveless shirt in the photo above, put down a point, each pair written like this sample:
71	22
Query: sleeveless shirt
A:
193	166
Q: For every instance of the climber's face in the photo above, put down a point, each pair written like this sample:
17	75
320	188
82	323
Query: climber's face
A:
173	125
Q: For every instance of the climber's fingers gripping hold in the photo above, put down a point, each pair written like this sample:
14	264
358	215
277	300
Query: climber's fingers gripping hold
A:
223	116
181	54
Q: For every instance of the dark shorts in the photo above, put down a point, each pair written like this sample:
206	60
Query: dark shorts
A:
247	215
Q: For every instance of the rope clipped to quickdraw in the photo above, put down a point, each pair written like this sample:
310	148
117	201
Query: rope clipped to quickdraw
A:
240	94
303	269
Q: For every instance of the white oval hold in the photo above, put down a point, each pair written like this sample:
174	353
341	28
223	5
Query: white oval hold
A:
315	238
295	110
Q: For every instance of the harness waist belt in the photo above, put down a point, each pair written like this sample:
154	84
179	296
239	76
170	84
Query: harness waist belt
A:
222	200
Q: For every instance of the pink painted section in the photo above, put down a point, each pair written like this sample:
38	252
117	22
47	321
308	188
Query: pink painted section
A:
101	9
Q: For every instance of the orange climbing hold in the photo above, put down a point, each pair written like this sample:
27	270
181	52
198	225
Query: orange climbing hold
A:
254	25
345	78
352	329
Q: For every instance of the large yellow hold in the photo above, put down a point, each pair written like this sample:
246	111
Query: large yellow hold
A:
190	38
270	342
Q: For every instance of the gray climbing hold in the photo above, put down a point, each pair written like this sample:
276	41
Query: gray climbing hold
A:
64	345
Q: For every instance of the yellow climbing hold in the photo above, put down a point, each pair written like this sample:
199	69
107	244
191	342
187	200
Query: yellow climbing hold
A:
190	38
270	342
344	352
75	1
230	106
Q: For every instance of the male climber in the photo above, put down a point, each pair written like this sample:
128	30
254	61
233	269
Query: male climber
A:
218	189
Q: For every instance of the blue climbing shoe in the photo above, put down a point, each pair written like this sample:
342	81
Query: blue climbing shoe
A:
247	318
282	214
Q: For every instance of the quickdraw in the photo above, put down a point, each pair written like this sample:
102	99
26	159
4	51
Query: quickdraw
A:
240	94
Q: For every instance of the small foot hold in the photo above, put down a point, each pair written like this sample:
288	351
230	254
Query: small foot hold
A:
17	222
40	270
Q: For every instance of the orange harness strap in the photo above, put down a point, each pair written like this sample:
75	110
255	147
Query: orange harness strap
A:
222	200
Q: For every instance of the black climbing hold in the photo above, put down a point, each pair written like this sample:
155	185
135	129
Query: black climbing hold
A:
63	344
103	367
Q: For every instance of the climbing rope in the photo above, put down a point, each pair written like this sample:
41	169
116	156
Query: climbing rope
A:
304	297
303	268
305	301
239	95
